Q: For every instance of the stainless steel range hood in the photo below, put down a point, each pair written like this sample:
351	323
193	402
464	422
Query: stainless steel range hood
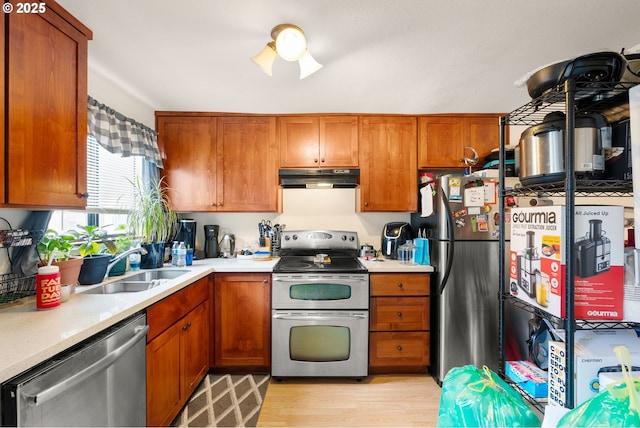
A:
319	178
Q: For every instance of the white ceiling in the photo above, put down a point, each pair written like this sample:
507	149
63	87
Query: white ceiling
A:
379	56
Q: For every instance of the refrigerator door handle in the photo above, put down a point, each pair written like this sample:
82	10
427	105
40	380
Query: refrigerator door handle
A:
451	240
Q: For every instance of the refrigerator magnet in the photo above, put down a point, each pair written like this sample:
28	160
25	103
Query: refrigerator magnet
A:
483	223
454	189
474	196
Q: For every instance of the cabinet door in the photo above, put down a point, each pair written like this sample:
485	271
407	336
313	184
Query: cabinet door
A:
395	350
188	148
299	142
247	164
440	142
46	115
164	388
388	171
483	134
242	320
339	141
195	348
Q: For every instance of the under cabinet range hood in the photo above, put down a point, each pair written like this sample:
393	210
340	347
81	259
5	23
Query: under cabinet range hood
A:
319	178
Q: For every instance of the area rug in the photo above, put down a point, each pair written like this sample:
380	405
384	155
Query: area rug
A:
225	400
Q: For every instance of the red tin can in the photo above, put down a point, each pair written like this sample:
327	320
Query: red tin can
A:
48	287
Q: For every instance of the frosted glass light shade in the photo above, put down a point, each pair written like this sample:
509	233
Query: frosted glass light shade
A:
290	43
266	58
308	65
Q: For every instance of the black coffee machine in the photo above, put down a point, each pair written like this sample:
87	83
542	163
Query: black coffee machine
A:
393	235
187	232
211	240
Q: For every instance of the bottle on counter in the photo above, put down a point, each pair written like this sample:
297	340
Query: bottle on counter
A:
174	253
182	255
48	287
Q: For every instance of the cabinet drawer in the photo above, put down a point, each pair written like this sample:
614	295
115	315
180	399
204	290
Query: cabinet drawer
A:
399	313
169	310
399	349
399	284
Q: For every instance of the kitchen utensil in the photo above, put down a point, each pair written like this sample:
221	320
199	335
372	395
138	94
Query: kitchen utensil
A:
595	67
393	235
541	149
227	246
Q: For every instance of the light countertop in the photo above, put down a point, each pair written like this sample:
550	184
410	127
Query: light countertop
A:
29	336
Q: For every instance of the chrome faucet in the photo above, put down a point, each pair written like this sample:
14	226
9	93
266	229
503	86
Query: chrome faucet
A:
123	255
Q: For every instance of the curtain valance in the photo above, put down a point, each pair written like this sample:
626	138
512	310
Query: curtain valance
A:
120	134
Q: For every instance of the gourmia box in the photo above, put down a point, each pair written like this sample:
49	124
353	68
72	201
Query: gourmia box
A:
537	260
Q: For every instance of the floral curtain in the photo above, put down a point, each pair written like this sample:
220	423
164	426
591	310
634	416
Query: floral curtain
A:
120	134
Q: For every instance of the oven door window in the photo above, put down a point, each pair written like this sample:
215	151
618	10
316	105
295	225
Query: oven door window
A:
319	343
320	291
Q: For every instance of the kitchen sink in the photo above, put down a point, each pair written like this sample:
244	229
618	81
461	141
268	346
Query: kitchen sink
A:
156	274
139	282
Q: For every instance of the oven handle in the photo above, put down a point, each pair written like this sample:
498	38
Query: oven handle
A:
317	279
303	317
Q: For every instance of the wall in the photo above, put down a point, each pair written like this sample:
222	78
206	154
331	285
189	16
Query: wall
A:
330	209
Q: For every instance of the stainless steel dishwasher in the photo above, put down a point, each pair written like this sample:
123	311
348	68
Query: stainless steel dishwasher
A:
101	382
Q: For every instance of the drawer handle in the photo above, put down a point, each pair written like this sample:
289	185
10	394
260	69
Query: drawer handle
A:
399	285
399	314
399	348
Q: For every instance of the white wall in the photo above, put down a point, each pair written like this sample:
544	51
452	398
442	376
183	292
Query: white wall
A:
331	209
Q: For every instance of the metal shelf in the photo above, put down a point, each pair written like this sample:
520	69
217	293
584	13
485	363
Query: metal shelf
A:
573	98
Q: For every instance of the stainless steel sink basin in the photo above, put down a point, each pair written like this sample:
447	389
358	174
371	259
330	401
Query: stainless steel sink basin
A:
139	282
122	287
156	274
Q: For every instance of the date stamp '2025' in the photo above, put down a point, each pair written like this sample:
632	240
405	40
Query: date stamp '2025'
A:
33	7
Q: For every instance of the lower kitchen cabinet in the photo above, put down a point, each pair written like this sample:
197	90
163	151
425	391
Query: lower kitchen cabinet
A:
242	315
399	323
177	350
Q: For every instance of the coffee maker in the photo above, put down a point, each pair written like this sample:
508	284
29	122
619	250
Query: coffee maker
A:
393	235
187	232
211	240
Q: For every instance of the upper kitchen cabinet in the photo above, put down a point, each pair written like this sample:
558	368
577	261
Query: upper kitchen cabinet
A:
188	149
442	139
388	165
44	143
247	164
225	164
318	141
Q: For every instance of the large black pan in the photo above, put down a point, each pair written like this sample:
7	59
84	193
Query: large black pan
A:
595	67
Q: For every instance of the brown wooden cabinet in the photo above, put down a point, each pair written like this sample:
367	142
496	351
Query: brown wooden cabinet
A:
178	345
226	164
442	139
388	166
242	316
399	323
318	141
44	140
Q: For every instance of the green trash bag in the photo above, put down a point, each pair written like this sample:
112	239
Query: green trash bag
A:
617	406
472	397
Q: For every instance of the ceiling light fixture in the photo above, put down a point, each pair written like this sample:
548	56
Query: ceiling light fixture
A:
290	44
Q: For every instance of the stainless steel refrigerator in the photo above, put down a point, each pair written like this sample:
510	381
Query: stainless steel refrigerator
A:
464	245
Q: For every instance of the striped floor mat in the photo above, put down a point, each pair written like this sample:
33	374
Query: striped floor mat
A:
231	400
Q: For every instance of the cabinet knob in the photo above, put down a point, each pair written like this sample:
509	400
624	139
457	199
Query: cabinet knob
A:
315	160
186	326
399	285
219	204
399	348
399	314
265	281
322	160
84	195
366	204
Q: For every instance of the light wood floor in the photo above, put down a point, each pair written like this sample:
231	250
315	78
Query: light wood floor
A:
377	401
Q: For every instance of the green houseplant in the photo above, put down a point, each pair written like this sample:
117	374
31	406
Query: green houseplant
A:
151	219
59	246
93	242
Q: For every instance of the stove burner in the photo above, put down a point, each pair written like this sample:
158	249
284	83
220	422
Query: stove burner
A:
294	264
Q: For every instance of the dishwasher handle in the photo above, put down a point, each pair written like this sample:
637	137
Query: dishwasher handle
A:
81	376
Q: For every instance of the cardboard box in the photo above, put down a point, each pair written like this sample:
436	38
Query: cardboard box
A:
537	260
529	377
593	352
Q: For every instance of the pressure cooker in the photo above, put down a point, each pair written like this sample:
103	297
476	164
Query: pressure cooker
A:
541	157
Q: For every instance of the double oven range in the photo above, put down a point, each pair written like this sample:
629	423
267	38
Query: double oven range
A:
320	306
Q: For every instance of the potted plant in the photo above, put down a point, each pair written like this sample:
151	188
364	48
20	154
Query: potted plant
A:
94	241
123	243
151	219
58	246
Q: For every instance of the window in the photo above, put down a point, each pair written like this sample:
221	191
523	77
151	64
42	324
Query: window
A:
108	186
